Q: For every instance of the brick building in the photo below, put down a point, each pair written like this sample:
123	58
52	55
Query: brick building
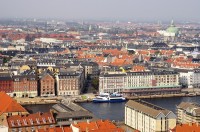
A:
6	84
70	83
25	85
47	85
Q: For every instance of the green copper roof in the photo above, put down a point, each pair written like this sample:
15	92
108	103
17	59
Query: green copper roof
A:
172	28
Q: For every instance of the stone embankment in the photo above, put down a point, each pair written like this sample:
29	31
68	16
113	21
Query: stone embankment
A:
38	100
88	98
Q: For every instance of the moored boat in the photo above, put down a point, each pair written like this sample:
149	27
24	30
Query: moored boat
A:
107	98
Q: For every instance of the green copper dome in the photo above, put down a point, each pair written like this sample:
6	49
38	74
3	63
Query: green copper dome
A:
172	28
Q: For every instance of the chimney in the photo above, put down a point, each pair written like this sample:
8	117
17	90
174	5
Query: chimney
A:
88	121
197	123
190	124
62	129
86	129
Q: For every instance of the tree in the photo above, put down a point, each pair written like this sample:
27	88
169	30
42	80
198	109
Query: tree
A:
95	83
6	59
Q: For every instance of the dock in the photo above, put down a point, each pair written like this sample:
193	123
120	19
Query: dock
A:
55	100
38	100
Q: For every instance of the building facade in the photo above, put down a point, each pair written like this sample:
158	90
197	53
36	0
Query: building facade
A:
91	69
69	83
25	85
188	113
147	117
47	85
190	79
6	85
112	82
154	82
140	83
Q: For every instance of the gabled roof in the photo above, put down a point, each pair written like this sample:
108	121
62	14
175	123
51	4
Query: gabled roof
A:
147	108
7	104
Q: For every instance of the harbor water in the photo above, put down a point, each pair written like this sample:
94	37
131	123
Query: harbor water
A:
115	111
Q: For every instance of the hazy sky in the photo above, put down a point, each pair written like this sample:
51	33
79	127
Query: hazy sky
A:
102	9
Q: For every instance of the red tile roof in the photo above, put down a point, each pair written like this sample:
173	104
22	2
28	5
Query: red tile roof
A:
9	105
187	128
138	68
56	129
97	126
30	120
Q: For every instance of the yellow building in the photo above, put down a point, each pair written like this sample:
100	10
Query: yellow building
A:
147	117
24	68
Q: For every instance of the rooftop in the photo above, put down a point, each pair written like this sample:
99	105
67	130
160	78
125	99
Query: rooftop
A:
9	105
147	108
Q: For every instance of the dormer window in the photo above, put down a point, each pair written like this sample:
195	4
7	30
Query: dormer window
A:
18	122
43	119
38	121
49	118
25	122
31	121
12	123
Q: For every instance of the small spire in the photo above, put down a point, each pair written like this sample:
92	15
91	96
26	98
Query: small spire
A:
172	22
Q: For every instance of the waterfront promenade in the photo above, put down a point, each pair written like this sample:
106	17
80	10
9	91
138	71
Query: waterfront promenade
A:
88	97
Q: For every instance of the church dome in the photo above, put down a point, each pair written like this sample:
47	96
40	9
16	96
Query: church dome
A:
172	28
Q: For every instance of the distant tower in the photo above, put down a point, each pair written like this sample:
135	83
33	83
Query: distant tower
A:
172	22
46	24
90	28
126	46
120	40
159	23
136	33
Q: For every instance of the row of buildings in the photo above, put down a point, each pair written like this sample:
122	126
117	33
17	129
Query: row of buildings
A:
151	82
146	117
31	84
160	81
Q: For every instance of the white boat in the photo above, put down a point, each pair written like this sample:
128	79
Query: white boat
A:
108	98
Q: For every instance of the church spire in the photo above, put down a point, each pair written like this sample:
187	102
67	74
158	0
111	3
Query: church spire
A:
172	22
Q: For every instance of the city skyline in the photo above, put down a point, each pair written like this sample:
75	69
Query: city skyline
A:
103	10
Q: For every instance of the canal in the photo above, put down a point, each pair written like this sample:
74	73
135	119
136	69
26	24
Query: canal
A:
115	111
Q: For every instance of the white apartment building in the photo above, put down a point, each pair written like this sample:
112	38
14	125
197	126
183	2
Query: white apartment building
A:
190	79
49	40
140	82
112	82
188	113
147	117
